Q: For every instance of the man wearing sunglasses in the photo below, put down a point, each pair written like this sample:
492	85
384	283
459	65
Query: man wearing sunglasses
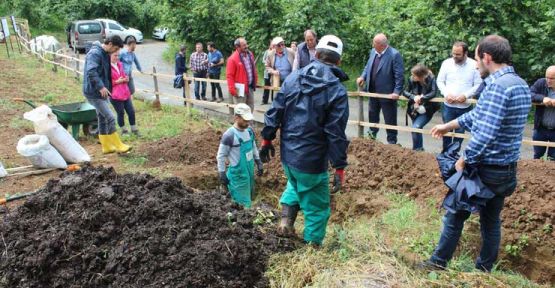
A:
280	60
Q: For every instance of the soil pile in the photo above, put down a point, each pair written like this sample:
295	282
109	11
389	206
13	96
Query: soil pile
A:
188	149
95	228
374	166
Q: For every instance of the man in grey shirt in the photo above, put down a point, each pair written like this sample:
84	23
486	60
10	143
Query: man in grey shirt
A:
239	148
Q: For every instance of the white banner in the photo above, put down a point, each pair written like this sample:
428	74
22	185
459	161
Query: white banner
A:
14	25
5	27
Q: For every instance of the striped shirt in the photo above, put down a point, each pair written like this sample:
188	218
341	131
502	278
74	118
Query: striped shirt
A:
246	59
497	123
196	61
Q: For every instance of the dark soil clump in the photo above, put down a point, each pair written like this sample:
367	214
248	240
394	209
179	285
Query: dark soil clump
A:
96	228
190	148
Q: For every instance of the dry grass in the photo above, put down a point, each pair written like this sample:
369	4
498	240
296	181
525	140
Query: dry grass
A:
381	252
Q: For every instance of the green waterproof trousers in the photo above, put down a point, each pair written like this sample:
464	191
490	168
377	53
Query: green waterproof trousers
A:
311	192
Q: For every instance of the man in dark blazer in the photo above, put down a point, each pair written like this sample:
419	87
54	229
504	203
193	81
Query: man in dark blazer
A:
383	74
543	91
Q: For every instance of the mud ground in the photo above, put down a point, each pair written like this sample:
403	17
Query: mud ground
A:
375	167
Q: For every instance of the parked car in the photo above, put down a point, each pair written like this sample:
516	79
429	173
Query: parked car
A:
112	27
160	33
83	33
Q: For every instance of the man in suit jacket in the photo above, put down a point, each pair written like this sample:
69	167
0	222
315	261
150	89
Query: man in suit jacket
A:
383	74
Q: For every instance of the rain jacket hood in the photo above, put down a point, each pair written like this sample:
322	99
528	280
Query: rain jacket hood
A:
315	80
311	111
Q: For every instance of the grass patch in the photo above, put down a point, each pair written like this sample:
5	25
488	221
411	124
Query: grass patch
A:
371	253
156	124
20	123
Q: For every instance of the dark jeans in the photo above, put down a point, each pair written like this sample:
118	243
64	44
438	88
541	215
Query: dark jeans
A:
502	181
266	95
131	85
106	121
200	74
215	86
448	114
123	107
542	134
389	108
419	122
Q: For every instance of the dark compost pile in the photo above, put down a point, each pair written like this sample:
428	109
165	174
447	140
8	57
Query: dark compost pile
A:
96	228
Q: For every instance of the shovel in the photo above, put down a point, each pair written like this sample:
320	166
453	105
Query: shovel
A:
15	197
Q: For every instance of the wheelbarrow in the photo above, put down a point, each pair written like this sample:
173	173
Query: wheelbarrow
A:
74	114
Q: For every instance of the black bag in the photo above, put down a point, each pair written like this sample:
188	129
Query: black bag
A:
178	82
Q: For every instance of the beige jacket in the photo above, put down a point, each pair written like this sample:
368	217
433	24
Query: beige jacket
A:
270	61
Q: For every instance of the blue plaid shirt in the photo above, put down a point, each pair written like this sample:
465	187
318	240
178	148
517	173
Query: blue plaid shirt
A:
497	123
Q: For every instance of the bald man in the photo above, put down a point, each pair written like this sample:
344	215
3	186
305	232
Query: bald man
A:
383	74
543	91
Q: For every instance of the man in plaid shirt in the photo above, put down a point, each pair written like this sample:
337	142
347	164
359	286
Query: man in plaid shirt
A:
199	65
496	125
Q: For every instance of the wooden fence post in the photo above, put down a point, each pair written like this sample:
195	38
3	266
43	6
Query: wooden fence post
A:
42	54
187	92
77	66
65	64
275	84
54	67
231	110
156	103
360	114
36	50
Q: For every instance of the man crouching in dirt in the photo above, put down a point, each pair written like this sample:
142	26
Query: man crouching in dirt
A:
497	125
238	146
311	111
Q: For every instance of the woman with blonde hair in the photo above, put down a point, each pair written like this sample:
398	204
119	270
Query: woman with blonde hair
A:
420	90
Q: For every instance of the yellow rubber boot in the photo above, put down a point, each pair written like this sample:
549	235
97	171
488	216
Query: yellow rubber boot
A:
117	144
107	146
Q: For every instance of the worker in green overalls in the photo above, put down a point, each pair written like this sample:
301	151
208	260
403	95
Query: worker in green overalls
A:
239	148
311	111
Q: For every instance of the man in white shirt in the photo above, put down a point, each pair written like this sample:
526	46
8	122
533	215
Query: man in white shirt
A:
458	80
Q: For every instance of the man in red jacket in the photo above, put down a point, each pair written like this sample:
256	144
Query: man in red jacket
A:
241	74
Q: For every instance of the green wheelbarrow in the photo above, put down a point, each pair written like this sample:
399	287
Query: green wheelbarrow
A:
74	115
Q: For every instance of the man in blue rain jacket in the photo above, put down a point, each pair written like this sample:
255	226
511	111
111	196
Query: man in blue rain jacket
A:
311	111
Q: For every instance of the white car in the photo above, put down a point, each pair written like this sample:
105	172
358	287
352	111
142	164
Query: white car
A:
112	27
160	33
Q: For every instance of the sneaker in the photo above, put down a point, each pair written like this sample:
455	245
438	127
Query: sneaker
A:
213	100
124	131
220	100
204	99
264	103
136	133
428	265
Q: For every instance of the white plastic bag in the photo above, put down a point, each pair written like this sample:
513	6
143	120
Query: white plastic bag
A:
46	123
39	151
3	172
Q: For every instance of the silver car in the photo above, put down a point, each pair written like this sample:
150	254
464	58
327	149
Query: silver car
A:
83	33
112	27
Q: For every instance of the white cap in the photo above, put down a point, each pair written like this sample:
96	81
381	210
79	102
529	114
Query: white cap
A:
277	40
244	111
332	43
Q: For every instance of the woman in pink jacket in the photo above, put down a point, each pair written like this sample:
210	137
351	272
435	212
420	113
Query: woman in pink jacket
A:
121	96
